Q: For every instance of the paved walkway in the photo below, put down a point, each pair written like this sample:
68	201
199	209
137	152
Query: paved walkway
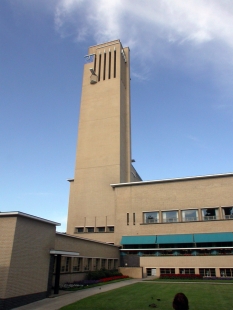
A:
55	303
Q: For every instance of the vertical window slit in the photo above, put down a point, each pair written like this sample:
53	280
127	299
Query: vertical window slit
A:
134	218
109	66
114	64
104	66
99	67
94	63
127	218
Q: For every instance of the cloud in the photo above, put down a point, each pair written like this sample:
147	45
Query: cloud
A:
155	30
198	21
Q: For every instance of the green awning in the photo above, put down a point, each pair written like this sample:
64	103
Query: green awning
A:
215	237
138	240
170	239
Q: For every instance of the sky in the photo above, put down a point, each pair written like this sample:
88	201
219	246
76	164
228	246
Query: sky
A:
181	91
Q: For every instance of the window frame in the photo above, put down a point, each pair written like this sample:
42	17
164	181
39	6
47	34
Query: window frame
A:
153	220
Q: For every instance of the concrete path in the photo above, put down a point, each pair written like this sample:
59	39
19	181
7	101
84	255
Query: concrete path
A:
55	303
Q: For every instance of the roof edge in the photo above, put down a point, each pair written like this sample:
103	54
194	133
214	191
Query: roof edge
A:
174	180
86	239
18	213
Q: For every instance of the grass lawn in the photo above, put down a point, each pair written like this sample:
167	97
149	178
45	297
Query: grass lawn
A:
141	295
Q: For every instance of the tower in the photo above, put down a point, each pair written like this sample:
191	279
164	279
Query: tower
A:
103	153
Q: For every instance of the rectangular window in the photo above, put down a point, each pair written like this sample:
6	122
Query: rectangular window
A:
227	213
97	264
104	66
151	217
109	65
226	272
167	270
95	63
99	67
90	229
79	229
210	214
134	218
76	264
63	264
89	264
170	216
109	264
187	271
67	263
103	263
127	218
114	64
111	228
100	229
207	272
189	215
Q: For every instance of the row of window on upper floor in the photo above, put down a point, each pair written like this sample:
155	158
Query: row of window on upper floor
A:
206	214
91	229
80	264
205	272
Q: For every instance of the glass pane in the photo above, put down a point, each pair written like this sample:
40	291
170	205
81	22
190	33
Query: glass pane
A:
228	212
189	215
170	216
209	214
151	217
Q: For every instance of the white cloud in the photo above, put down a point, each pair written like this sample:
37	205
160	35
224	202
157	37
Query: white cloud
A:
201	29
195	20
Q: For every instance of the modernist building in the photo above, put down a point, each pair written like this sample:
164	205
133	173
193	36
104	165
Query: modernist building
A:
165	226
33	258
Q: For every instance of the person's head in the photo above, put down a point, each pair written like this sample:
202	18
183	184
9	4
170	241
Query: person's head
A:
180	302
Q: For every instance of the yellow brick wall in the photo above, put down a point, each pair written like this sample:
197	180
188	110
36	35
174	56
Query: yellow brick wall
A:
176	195
29	264
7	233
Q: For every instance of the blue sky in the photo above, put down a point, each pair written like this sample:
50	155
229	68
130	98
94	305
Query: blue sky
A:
181	91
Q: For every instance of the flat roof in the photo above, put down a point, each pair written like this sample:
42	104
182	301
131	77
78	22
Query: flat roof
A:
86	239
18	213
210	176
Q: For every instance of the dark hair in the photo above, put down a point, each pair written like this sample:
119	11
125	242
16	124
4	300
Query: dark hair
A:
180	302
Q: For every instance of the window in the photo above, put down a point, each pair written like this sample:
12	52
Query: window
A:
111	228
103	263
226	272
210	214
207	272
189	215
187	271
100	229
97	264
170	216
109	264
127	218
134	218
63	264
67	263
167	270
90	229
227	213
151	217
77	264
89	264
79	229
